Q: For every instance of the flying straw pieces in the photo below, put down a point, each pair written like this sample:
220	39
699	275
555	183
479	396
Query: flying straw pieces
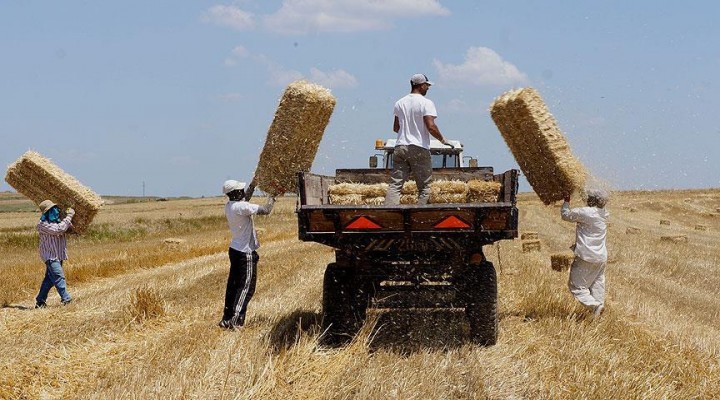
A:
537	144
561	261
530	246
40	179
529	236
483	191
294	136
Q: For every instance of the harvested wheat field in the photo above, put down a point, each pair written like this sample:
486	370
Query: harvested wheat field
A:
143	320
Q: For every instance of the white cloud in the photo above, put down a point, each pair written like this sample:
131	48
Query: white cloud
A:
334	79
482	66
303	16
229	16
240	52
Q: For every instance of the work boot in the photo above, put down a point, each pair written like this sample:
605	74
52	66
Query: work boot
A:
40	305
66	302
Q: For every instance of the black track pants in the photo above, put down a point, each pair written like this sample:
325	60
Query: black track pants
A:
240	285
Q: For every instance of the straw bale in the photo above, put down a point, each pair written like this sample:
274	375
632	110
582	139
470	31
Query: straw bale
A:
344	188
444	198
483	191
346	199
632	210
452	191
632	230
374	201
408	198
409	187
38	179
561	261
529	236
701	227
538	145
294	135
664	222
674	239
531	246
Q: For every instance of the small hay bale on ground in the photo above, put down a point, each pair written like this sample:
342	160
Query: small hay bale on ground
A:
701	227
664	222
561	261
538	145
531	246
483	191
39	179
632	210
674	239
632	230
529	236
294	135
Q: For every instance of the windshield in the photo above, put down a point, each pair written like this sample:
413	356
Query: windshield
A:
438	161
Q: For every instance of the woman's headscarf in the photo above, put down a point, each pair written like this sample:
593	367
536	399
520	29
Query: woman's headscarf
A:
51	215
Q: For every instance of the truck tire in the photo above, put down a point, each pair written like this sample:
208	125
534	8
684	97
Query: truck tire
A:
341	319
481	307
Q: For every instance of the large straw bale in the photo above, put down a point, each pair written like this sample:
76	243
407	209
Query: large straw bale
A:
40	179
538	145
294	135
483	191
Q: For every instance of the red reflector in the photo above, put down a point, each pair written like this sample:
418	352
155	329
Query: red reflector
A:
362	223
452	222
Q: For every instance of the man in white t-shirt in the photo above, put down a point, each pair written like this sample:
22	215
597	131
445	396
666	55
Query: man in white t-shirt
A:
243	257
414	123
587	273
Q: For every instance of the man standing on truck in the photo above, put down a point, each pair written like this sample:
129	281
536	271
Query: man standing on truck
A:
414	123
587	273
243	257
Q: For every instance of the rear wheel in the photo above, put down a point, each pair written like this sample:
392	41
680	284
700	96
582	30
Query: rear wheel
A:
481	307
343	309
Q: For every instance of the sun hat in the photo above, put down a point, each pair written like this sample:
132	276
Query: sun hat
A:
46	205
231	185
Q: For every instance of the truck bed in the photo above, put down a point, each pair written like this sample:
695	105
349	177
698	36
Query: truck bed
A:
380	227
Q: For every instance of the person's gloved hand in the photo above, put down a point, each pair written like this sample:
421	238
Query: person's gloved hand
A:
446	143
70	212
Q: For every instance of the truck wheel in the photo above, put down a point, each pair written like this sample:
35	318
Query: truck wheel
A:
481	308
340	318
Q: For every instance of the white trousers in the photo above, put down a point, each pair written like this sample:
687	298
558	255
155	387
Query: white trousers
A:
587	282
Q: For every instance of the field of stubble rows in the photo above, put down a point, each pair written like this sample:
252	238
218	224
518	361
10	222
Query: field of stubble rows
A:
148	283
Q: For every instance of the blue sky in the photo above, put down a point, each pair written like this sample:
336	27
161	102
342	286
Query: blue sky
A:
179	94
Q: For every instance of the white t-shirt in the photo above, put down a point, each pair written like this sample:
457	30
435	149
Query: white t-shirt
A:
410	111
590	231
239	216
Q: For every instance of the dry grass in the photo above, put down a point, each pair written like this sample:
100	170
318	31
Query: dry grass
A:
294	135
40	179
658	339
538	145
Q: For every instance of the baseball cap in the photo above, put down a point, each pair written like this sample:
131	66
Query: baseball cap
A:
231	185
419	79
45	205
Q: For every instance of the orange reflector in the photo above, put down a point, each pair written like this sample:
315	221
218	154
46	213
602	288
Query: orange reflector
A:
362	223
452	222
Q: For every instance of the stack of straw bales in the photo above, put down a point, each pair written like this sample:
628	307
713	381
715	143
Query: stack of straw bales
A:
40	179
441	192
537	144
294	136
561	261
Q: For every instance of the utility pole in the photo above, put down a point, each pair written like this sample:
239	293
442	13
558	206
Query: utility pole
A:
143	188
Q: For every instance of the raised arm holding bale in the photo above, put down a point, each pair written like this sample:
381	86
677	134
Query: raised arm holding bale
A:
538	145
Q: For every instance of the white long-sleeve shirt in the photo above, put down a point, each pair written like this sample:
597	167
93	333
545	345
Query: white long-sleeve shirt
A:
239	216
53	244
590	231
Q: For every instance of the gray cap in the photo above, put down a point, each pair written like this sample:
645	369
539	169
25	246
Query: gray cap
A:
419	79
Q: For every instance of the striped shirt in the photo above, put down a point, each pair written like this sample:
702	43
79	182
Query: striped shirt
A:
53	244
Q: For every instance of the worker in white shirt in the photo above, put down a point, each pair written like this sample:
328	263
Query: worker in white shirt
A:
587	273
243	257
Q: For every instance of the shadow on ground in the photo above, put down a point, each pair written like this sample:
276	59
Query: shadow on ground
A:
410	331
286	332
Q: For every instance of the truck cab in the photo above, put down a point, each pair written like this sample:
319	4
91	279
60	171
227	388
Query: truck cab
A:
442	156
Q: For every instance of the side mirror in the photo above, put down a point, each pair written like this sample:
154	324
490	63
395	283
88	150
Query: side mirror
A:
473	163
373	162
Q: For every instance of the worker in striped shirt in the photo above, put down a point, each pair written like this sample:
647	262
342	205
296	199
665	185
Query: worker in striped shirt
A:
53	251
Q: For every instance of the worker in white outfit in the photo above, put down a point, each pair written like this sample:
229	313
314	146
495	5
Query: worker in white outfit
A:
587	273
